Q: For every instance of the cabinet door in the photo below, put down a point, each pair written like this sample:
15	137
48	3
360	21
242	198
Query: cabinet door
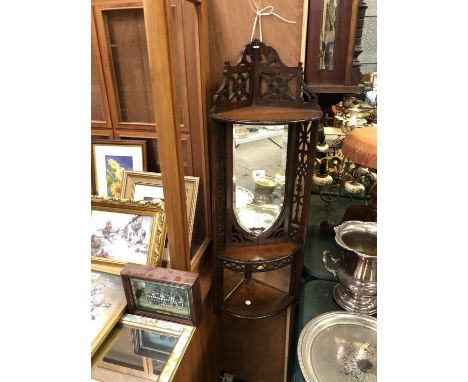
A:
100	113
122	40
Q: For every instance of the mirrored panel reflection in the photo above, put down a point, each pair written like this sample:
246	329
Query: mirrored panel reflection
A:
259	167
135	353
327	34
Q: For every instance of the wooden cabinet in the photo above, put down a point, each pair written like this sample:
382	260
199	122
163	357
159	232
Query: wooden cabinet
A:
122	100
334	33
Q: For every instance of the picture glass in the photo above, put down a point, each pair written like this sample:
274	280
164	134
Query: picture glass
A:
145	192
109	164
120	236
169	300
107	298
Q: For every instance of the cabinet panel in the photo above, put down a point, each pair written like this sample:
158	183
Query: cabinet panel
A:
129	55
97	104
100	112
124	52
179	56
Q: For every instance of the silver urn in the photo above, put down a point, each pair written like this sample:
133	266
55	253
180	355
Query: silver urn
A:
355	267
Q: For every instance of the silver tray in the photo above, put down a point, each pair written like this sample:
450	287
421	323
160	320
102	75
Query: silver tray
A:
258	216
244	197
339	347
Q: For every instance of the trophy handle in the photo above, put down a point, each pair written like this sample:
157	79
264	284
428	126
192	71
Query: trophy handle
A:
330	263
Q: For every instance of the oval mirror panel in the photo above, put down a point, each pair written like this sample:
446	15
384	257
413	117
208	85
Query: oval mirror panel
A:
259	167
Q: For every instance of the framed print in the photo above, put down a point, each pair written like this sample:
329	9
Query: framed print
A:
107	305
126	231
140	185
162	293
109	160
141	348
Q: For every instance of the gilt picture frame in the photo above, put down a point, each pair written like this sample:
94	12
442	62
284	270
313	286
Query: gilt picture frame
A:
109	158
121	338
108	303
126	231
140	185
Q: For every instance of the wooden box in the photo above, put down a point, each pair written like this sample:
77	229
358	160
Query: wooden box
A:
162	293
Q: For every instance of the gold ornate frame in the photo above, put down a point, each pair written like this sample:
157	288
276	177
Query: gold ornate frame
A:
184	332
111	322
154	209
131	179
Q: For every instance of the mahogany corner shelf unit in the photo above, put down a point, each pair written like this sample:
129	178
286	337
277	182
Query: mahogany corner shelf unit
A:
259	218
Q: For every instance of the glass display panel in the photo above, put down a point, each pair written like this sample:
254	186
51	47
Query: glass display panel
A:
129	53
97	108
259	167
122	353
327	34
134	353
170	300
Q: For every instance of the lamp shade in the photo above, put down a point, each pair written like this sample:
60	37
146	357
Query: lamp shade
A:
360	146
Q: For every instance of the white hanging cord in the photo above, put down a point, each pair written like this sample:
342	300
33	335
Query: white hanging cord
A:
266	11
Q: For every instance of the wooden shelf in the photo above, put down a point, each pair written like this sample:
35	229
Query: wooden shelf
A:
265	252
265	300
343	89
267	115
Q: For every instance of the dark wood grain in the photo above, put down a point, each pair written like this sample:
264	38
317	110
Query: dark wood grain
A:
202	359
255	350
265	300
268	251
267	115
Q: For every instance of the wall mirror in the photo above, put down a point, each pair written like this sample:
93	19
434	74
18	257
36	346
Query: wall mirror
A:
259	167
327	34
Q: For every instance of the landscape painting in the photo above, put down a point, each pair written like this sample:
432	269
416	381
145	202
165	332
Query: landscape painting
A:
115	166
120	236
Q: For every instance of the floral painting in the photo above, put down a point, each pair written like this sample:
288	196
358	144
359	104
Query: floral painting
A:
107	303
120	236
115	166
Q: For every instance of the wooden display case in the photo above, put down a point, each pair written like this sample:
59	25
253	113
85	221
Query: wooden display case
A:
126	101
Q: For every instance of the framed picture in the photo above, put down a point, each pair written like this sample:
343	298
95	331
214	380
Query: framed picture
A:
163	293
126	231
141	348
107	305
109	160
140	185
